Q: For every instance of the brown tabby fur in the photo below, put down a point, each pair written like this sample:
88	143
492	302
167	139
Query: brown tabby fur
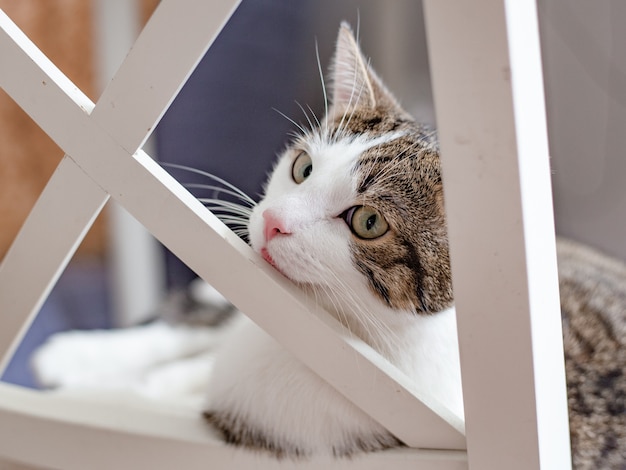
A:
409	269
593	305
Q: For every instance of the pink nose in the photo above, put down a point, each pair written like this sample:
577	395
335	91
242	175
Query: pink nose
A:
273	225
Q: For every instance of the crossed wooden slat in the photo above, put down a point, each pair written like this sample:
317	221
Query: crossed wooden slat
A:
103	159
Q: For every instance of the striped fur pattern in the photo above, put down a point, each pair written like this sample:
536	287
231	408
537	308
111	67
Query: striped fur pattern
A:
408	268
593	305
393	290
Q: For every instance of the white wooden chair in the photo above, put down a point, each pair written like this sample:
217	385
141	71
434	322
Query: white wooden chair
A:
489	101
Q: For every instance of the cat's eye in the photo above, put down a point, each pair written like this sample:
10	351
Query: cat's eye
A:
366	222
302	167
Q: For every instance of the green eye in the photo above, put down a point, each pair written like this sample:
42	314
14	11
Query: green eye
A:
302	167
366	222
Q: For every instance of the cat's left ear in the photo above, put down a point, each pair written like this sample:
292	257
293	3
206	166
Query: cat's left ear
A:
354	82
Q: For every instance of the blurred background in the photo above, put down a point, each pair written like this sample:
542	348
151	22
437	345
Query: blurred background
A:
224	121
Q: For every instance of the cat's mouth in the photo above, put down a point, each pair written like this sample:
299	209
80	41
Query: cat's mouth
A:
267	257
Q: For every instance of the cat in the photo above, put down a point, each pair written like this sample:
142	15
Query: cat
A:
353	213
593	308
333	221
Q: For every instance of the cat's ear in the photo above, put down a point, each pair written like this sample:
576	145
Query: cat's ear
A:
354	82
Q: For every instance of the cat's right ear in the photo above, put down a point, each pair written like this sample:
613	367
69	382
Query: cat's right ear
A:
354	82
350	74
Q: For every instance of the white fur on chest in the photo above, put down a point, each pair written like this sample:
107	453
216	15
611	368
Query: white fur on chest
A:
273	391
243	370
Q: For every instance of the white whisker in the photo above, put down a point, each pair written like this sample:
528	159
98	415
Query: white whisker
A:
317	121
235	215
319	68
306	115
302	129
249	202
231	212
243	195
346	304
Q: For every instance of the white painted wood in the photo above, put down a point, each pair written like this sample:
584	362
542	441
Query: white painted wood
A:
166	52
488	195
46	242
100	433
27	83
489	101
135	260
163	206
221	258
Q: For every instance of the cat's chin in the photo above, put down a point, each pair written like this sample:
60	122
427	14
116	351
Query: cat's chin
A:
265	254
267	257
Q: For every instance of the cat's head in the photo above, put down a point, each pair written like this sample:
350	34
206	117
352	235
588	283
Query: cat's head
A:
354	207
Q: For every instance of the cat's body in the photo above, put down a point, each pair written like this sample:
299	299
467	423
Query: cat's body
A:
381	282
353	213
593	305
